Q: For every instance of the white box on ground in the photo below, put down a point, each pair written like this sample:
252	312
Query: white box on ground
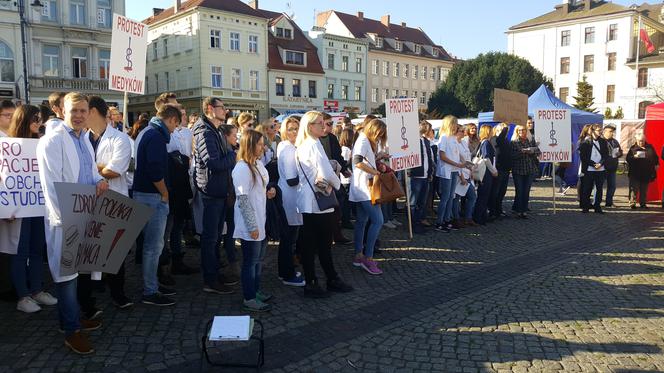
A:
553	133
403	133
129	44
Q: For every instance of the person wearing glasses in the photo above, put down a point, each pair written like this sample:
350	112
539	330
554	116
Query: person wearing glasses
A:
594	153
7	109
244	121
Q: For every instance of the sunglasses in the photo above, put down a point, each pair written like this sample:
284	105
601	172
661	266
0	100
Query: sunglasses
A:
36	119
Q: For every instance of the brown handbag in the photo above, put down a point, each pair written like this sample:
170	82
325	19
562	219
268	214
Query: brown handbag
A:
385	188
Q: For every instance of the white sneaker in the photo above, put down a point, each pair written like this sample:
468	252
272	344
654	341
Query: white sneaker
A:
389	224
45	299
396	222
27	305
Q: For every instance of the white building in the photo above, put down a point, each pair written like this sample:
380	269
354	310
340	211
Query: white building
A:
345	63
11	60
597	39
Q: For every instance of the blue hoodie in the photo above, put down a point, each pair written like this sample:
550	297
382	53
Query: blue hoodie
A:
152	157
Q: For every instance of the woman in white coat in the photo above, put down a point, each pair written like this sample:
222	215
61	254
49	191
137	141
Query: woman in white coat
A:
316	175
288	182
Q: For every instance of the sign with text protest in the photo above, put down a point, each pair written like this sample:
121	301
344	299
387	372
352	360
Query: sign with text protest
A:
553	132
21	195
403	133
129	44
510	107
97	232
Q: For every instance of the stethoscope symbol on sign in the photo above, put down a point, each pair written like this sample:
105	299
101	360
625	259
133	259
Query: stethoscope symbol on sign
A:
403	135
130	64
552	136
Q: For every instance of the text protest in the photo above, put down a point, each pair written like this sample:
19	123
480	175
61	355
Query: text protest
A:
553	132
403	133
21	193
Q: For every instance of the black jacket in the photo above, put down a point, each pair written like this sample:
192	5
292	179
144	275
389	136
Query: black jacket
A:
611	164
425	151
503	151
642	169
335	152
213	162
586	150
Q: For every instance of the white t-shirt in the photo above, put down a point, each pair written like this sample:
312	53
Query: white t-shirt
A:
595	156
425	160
181	140
449	145
244	185
359	187
346	155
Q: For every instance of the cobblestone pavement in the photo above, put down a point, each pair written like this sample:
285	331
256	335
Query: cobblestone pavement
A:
564	292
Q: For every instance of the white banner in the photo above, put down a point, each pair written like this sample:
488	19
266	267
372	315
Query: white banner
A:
21	195
129	45
403	133
553	133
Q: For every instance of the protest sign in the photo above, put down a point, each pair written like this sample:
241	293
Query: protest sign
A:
403	133
553	133
97	232
129	44
510	107
21	195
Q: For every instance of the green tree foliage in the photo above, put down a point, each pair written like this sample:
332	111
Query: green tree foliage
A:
584	98
380	110
608	114
619	113
468	88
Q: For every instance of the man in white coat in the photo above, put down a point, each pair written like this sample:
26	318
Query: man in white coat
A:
112	155
64	155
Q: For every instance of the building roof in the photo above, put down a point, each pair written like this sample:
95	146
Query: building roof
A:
362	27
232	6
299	43
578	11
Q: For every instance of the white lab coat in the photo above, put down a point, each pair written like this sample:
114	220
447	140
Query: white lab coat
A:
10	231
114	153
58	162
288	170
312	160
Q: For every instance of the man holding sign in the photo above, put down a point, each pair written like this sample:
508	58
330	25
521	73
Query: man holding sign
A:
64	155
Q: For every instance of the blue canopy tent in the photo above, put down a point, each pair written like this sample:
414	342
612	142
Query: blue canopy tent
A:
545	99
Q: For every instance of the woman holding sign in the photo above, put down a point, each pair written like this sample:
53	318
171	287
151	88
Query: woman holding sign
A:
27	264
643	162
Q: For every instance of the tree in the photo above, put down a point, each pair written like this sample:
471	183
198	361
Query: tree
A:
469	86
380	110
584	98
608	114
619	113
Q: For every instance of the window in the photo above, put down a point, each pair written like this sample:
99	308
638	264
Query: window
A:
156	82
397	45
330	91
216	77
563	93
288	33
167	78
414	94
104	14
253	80
395	93
104	63
643	78
358	65
418	49
379	42
77	12
215	39
236	79
235	41
280	86
330	44
423	98
588	63
358	93
610	93
386	94
611	61
312	89
280	32
294	58
165	47
386	68
432	74
565	37
395	69
51	60
374	67
405	71
79	63
424	73
415	71
374	95
564	65
50	11
155	50
589	35
642	108
330	61
296	88
344	92
435	52
613	31
6	63
253	44
344	63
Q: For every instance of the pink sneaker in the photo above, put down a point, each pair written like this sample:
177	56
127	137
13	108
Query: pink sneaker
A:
371	267
357	262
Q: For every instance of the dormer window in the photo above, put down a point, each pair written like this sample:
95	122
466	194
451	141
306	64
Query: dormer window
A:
280	32
418	49
435	52
294	58
285	33
288	33
397	45
379	42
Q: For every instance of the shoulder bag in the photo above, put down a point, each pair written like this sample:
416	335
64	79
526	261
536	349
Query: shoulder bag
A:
479	168
324	201
384	187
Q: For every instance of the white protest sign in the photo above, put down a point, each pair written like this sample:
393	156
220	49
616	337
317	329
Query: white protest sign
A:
21	195
403	133
97	232
129	44
553	132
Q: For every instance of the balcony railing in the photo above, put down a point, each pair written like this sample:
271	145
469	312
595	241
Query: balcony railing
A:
83	85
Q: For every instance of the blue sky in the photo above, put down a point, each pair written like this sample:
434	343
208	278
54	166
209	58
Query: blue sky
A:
464	28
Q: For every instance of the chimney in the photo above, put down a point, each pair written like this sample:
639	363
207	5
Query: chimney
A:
385	20
157	11
403	24
565	6
360	16
587	4
254	4
176	6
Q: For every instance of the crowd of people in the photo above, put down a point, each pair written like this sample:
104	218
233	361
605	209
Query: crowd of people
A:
233	182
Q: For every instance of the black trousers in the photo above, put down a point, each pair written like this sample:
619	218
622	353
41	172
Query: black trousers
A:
315	239
116	283
84	294
639	187
592	179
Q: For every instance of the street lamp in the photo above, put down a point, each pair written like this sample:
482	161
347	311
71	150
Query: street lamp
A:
24	43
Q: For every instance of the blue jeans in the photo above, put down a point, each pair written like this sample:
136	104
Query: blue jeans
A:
522	184
30	246
386	209
610	187
285	257
446	191
480	215
468	203
419	190
253	253
69	312
153	239
367	212
214	211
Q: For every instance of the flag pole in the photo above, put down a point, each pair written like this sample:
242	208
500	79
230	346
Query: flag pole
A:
638	52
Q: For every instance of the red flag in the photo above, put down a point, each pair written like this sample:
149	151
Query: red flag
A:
650	47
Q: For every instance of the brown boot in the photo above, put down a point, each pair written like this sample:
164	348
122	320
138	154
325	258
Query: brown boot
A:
79	343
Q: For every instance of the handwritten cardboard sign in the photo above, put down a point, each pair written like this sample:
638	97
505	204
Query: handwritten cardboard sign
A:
403	133
97	232
21	195
510	107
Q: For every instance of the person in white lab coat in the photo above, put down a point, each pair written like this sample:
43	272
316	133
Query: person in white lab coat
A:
63	155
112	155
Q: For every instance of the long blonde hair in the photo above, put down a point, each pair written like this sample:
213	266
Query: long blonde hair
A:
247	152
303	133
515	135
448	128
376	132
